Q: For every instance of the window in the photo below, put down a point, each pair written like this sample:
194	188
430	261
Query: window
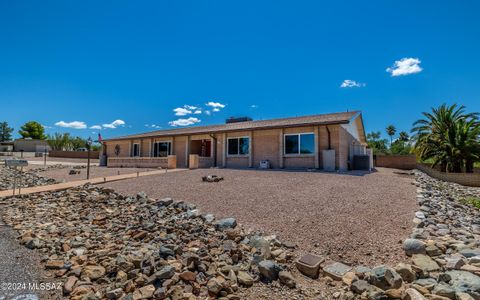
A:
136	150
162	149
238	146
302	143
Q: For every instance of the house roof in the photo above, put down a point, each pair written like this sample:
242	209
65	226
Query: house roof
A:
320	119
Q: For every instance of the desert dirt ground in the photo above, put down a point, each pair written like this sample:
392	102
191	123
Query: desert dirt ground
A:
356	218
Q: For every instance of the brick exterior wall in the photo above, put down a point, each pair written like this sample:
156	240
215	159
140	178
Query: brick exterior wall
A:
266	144
404	162
468	179
266	147
299	162
124	148
138	162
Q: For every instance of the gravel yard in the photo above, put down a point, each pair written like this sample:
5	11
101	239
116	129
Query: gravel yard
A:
347	217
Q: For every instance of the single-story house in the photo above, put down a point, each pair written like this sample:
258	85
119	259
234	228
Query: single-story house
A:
30	145
322	141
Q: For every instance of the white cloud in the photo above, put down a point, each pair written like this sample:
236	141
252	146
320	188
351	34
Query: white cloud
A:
190	107
215	104
180	111
98	127
153	126
207	112
347	83
114	124
405	66
253	106
73	124
197	112
216	109
184	122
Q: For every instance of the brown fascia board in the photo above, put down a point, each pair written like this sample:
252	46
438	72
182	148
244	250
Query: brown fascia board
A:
140	136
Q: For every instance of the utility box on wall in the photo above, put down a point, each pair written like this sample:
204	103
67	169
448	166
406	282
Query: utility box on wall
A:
328	160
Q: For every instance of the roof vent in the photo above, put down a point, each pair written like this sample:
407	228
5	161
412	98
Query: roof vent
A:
238	119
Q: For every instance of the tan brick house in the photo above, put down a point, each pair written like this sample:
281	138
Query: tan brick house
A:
298	142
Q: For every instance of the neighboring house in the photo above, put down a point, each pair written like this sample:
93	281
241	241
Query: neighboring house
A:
30	145
298	142
6	146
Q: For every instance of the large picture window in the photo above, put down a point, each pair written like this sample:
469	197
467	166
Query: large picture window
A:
301	143
238	146
162	149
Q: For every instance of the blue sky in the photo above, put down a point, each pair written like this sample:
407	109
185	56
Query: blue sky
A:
95	62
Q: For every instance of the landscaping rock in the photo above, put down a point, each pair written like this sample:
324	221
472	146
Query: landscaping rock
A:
105	245
463	281
336	270
269	269
425	263
287	279
385	278
28	178
226	223
244	278
414	246
412	294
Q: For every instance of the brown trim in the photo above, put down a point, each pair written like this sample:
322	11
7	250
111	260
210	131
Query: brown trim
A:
225	131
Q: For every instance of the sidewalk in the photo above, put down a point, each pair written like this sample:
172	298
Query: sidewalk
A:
97	180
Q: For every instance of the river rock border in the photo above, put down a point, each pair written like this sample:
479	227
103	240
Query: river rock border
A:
444	248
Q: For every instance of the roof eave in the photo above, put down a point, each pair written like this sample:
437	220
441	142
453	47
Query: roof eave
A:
228	130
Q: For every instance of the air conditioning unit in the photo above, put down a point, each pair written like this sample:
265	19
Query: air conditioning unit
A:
264	164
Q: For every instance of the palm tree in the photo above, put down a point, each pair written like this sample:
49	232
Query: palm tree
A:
403	136
391	130
449	137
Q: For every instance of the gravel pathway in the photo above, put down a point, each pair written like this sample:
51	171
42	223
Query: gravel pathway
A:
21	273
348	217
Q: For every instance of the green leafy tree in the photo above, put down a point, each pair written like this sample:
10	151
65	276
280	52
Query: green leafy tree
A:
449	137
5	132
376	143
78	142
33	130
400	147
59	141
391	130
